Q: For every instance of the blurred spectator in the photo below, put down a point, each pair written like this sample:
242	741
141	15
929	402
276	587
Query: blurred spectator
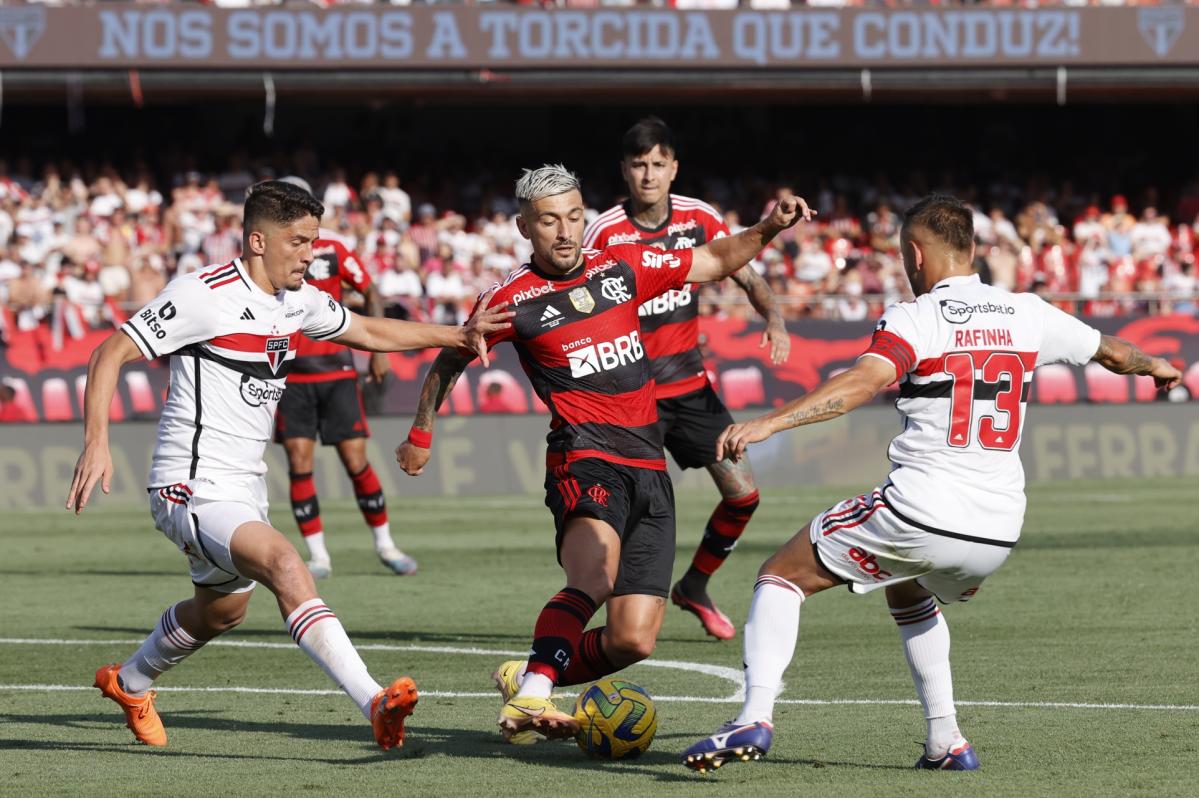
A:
11	411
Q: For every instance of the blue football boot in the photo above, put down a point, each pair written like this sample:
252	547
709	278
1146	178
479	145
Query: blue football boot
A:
730	743
960	757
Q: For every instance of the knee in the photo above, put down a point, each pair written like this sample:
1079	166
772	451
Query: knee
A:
285	572
629	645
354	462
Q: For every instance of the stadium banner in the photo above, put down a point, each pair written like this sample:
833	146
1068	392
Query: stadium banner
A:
49	381
505	455
188	36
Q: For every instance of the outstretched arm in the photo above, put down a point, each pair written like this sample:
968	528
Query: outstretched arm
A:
718	259
95	462
836	397
764	301
413	454
1119	356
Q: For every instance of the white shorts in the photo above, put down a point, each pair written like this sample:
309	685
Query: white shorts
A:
864	542
200	519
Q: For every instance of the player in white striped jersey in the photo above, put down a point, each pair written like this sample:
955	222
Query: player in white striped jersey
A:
953	504
231	333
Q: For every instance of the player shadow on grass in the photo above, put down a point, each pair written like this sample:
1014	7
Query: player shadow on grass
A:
414	637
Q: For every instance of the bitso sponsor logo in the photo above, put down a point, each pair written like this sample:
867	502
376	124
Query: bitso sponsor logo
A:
256	393
606	355
955	311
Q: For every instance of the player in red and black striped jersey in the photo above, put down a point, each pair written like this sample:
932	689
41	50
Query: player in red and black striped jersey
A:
323	397
578	334
690	413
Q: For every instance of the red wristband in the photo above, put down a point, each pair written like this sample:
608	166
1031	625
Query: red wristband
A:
421	438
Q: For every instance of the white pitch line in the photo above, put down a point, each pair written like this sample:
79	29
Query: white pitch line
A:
688	699
730	674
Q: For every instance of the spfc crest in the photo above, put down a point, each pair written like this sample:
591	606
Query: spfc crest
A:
581	299
276	352
1161	27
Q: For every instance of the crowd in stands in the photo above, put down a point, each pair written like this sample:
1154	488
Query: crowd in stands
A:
82	250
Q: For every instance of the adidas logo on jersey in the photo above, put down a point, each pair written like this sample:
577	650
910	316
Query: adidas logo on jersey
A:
551	317
246	315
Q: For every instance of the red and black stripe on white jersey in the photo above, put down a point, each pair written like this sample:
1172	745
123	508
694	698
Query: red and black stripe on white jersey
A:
578	337
333	267
669	322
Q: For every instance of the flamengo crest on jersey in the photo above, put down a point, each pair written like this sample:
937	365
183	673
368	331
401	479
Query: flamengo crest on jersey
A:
231	347
669	322
965	354
579	339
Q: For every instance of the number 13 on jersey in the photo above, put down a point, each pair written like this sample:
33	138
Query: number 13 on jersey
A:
987	376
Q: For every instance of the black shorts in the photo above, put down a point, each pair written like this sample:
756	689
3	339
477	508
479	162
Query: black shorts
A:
333	407
690	425
637	502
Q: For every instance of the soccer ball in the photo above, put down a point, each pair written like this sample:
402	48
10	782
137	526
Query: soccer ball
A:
617	720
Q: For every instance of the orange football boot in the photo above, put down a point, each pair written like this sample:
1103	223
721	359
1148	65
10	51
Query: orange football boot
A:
388	710
140	715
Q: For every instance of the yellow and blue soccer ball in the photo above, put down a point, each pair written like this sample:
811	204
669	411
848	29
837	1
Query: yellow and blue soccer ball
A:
617	720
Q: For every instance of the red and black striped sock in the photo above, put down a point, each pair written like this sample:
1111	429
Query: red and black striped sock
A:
558	633
591	662
724	529
369	493
304	504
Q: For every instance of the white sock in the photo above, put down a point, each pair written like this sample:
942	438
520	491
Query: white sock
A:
925	636
317	631
537	685
167	646
382	534
316	547
770	636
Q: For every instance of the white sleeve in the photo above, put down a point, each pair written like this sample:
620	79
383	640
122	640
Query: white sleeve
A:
897	338
325	317
182	314
1065	339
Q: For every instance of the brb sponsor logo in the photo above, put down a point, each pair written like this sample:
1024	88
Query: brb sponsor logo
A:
256	393
868	565
955	311
605	355
669	302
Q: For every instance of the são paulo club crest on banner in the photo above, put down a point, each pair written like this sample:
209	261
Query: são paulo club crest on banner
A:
276	352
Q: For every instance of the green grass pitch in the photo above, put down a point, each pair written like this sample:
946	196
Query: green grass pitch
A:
1096	606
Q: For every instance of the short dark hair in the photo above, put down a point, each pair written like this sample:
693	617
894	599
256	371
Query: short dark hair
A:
946	217
645	135
279	202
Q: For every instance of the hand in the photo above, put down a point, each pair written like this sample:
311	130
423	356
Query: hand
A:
412	458
380	365
789	210
776	335
94	465
1165	376
485	320
732	442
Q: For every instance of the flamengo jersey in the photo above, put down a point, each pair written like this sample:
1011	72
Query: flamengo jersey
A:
231	346
579	341
669	322
965	353
333	266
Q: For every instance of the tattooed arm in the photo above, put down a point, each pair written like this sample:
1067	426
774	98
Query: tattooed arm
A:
849	389
440	380
763	300
1121	357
